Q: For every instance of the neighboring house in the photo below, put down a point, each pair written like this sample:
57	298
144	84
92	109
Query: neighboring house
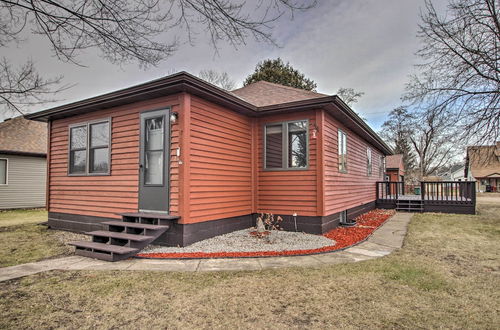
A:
395	169
209	159
456	173
23	150
483	165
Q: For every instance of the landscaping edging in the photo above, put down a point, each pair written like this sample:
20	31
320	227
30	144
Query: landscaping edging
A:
269	254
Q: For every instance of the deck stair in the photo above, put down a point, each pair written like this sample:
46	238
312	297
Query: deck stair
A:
122	239
409	205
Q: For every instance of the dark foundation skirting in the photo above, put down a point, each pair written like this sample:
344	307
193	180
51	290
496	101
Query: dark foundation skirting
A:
186	234
75	222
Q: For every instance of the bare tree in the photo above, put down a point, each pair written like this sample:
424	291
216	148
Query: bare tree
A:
433	142
220	79
145	31
24	87
460	72
349	95
396	131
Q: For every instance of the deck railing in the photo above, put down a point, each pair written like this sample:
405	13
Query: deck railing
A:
390	189
456	191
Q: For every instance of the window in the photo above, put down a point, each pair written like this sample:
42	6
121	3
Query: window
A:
286	145
369	161
3	171
342	143
381	167
89	148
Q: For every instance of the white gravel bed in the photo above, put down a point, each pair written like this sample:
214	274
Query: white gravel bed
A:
242	241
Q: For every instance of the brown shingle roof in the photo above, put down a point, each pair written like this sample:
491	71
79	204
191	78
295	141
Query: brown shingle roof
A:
20	135
394	161
484	161
263	93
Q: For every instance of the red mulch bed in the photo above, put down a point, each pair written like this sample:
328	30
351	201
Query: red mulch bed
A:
344	237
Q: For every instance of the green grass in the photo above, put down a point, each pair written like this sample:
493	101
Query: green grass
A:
445	276
22	217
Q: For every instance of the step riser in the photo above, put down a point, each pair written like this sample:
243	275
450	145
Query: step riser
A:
149	221
135	231
136	243
119	242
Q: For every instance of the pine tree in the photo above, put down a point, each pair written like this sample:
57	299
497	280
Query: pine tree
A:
276	71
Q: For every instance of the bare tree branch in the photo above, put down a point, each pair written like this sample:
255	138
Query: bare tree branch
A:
460	73
20	89
142	31
220	79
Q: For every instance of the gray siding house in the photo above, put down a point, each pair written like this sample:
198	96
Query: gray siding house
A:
23	153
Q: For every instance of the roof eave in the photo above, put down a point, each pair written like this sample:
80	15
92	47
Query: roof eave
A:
185	82
23	153
181	82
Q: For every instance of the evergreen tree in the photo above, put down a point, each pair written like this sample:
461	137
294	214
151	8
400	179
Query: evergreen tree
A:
276	71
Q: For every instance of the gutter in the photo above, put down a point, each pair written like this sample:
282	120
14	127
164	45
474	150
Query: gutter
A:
23	153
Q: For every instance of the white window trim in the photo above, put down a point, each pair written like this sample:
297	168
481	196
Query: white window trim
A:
6	172
369	162
341	147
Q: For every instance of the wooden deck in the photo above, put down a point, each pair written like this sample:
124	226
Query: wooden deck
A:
444	196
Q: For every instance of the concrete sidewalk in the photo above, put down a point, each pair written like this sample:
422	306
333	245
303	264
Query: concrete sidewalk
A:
384	240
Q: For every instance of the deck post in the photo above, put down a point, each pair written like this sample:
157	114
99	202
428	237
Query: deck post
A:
422	190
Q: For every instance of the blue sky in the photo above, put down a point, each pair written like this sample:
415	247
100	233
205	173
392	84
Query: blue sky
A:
368	45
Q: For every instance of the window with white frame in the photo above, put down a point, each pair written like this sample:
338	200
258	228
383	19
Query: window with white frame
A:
89	148
286	145
381	167
369	161
3	171
342	144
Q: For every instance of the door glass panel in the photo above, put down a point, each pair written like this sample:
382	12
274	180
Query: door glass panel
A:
154	133
153	172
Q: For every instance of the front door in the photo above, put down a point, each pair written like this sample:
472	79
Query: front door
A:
154	161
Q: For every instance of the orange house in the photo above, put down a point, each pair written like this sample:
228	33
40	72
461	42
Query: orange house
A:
205	161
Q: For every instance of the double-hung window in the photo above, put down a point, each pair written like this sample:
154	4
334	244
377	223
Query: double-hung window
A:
286	145
342	144
3	171
369	161
89	148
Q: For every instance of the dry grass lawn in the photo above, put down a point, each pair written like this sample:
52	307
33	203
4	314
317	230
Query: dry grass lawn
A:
446	276
22	217
24	240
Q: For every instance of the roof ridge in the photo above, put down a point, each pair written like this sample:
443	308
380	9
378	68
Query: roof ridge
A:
281	86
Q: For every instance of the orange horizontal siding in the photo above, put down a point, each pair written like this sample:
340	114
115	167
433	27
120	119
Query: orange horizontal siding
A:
105	195
220	163
287	192
347	190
